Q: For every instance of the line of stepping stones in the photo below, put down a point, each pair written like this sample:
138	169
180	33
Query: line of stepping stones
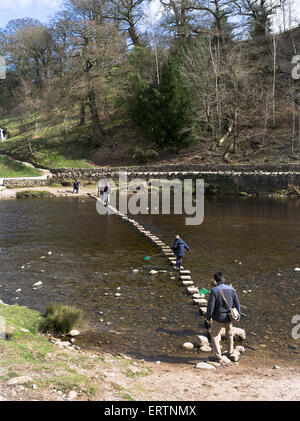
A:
186	280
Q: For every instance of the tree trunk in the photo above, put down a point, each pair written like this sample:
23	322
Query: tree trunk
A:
82	113
98	131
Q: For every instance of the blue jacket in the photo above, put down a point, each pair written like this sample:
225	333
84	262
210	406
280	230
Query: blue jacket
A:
179	247
216	307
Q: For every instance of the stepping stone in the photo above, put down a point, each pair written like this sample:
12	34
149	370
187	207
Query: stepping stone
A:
197	296
187	283
200	301
185	272
185	278
202	311
192	290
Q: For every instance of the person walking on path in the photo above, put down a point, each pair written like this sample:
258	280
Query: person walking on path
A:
179	247
100	188
106	194
217	314
76	186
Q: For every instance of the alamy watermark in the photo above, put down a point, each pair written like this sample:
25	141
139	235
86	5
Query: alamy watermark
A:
296	329
2	328
2	68
187	196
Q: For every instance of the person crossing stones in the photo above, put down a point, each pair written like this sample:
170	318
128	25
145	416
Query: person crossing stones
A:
179	247
217	314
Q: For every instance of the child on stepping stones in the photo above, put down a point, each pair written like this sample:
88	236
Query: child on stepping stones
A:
179	247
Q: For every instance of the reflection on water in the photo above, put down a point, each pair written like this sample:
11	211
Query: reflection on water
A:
94	255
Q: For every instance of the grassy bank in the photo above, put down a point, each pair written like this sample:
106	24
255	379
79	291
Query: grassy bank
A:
54	371
32	194
10	168
48	144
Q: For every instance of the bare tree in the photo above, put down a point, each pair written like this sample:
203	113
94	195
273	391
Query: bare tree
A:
258	13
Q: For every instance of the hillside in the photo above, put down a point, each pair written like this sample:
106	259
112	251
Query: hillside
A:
55	139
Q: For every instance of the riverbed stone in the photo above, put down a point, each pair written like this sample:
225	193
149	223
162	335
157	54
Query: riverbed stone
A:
202	340
153	272
19	380
188	345
74	333
205	348
205	366
72	395
38	284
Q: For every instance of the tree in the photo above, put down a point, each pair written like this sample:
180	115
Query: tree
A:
258	14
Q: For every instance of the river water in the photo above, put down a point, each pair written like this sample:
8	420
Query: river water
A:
256	243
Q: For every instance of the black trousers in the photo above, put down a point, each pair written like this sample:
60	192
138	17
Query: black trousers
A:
178	261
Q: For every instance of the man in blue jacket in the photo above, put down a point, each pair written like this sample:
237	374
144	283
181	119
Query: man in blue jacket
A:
217	313
179	247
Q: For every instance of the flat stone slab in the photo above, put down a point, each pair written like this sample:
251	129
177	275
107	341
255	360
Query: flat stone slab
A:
192	290
200	301
185	272
196	296
185	278
187	283
202	311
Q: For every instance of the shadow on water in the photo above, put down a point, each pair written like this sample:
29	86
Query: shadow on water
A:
93	258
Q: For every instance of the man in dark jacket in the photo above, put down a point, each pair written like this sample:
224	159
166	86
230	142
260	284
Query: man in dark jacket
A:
217	313
76	186
179	247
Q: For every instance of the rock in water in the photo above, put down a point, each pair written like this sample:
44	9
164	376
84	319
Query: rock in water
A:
202	340
188	345
38	284
205	348
153	272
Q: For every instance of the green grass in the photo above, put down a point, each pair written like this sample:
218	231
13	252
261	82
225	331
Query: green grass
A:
29	353
54	144
9	168
60	318
32	194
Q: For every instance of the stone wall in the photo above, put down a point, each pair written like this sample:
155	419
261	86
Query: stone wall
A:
223	181
15	182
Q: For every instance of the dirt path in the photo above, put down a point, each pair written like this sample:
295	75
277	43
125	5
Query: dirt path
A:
174	382
56	191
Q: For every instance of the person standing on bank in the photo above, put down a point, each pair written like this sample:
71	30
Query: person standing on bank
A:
76	186
179	247
221	300
106	195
